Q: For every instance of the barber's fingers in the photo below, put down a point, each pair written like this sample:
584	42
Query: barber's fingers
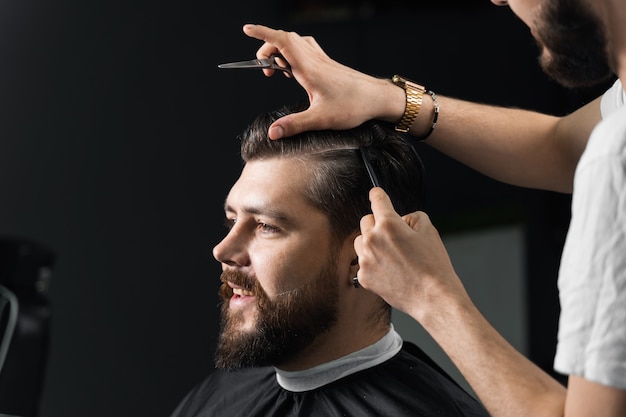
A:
381	203
273	40
384	228
335	91
417	220
296	49
383	210
290	45
299	51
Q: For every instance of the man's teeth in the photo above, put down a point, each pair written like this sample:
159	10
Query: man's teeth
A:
242	291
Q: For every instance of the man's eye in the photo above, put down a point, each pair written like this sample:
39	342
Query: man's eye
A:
267	228
229	223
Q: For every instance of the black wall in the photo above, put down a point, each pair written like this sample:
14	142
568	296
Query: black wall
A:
118	145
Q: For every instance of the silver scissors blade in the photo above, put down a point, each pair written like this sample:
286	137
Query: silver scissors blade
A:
270	63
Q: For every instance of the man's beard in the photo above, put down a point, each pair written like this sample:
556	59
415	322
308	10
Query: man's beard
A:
575	45
284	326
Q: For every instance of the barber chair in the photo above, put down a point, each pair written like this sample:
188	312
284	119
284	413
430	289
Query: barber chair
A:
25	312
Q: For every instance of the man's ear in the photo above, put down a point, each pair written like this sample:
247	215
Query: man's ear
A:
354	264
354	268
351	254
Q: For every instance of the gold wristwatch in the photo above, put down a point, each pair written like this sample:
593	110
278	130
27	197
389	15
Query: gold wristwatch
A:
414	95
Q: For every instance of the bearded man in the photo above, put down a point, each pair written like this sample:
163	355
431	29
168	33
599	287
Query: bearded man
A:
299	336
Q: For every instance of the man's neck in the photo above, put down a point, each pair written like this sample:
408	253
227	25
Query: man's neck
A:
337	342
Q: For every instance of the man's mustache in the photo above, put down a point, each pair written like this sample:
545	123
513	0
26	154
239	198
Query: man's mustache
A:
242	279
238	278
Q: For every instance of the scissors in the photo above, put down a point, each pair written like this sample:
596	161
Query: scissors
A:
269	63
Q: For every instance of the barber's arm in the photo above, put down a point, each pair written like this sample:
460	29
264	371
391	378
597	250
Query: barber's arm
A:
516	146
403	260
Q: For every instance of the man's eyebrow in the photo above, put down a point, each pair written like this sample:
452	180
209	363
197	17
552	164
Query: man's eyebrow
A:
260	210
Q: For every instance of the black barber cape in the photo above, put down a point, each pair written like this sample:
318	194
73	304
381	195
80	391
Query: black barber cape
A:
408	384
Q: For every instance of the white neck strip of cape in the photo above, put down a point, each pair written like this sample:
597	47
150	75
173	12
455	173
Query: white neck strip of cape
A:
310	379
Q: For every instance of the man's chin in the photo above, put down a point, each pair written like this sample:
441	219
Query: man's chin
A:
233	354
246	325
241	319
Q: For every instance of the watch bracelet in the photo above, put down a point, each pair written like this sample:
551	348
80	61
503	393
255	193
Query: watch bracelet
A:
414	96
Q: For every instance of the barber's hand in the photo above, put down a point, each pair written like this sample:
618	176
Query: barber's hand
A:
404	261
339	96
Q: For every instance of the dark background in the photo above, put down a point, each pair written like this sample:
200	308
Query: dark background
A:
118	145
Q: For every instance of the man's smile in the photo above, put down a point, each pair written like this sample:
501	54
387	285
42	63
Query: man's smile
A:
242	292
240	295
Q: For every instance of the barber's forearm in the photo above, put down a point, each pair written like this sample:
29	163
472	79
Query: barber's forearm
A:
515	146
505	381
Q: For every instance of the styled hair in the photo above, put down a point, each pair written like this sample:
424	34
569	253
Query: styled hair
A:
340	182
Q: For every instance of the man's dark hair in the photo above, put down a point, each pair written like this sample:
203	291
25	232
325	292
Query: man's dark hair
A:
340	182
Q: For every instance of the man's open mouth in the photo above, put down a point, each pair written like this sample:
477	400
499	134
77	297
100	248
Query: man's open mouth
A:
242	292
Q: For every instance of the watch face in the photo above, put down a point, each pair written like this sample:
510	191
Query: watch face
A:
397	80
404	83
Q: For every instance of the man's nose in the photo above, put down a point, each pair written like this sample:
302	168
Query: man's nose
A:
232	249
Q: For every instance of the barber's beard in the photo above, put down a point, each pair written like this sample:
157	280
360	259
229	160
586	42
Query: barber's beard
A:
284	326
575	48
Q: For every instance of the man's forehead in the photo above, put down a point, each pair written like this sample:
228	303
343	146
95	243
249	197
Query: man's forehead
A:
291	174
272	185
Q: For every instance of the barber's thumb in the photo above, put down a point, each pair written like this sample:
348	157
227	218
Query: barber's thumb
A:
287	126
276	131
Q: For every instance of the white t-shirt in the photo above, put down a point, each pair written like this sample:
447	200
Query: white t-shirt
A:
592	276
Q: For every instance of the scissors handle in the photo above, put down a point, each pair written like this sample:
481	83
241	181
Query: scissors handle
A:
276	66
